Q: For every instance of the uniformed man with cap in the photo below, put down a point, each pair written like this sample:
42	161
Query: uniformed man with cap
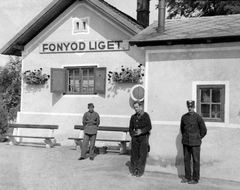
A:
91	121
193	130
139	129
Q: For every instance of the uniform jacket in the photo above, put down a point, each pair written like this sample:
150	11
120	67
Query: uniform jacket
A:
142	122
193	129
91	122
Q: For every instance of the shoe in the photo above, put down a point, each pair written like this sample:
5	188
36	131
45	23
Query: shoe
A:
91	158
81	158
135	173
184	180
193	182
139	174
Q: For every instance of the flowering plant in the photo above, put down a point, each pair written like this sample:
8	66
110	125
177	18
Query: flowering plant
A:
35	77
127	75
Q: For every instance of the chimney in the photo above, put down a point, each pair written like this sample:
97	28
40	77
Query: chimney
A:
143	12
161	16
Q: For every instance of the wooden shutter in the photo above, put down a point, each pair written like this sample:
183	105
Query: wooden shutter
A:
58	80
100	80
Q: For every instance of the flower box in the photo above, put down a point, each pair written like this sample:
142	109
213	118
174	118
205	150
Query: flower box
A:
35	77
127	75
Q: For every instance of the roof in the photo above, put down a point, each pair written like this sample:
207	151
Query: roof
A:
16	45
191	31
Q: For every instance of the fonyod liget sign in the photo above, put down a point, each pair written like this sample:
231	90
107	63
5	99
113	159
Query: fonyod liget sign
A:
83	46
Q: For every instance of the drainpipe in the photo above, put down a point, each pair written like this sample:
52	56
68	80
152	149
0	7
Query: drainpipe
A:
161	16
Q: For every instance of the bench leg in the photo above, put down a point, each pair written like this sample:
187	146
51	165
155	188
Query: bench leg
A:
12	141
78	144
123	148
49	143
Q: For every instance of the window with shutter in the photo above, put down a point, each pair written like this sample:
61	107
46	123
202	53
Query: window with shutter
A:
79	80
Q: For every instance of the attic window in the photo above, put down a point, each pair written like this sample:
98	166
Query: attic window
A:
80	25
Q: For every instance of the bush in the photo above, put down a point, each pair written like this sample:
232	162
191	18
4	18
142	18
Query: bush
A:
3	122
10	88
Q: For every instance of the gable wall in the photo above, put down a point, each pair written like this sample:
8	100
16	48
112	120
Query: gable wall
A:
41	106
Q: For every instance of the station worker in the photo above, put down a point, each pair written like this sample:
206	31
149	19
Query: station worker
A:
193	130
91	121
139	129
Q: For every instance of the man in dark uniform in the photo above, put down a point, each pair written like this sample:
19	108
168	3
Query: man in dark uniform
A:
139	128
193	129
91	121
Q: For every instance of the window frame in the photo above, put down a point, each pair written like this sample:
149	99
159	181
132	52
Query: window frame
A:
80	77
222	88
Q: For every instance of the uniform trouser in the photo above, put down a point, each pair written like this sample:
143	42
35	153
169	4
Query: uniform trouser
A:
139	153
86	139
194	153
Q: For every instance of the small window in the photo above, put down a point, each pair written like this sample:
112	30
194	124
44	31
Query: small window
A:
78	80
80	25
210	102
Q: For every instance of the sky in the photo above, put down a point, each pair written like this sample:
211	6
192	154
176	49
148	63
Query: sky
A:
15	14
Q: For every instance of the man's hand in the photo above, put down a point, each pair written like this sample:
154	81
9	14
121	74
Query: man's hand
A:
137	132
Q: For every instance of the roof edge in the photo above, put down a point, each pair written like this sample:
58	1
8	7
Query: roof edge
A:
209	40
13	42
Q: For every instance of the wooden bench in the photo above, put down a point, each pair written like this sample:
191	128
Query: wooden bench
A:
16	132
123	141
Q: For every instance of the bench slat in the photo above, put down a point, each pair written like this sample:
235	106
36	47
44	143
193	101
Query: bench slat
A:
37	137
110	140
105	128
33	126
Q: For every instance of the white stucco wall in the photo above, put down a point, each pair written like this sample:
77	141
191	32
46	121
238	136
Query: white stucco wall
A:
173	73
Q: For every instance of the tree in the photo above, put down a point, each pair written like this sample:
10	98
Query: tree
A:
10	87
3	121
198	8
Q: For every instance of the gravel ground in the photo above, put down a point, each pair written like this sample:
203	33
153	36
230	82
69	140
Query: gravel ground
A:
26	167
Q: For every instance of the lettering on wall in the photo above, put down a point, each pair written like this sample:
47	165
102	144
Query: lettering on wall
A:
83	46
